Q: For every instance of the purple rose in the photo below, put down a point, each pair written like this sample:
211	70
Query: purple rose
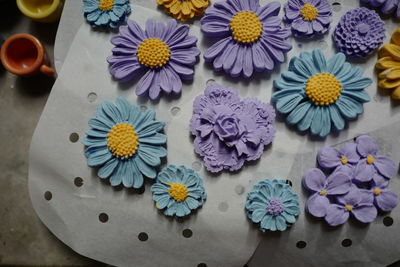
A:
384	199
344	159
357	202
371	162
316	182
228	128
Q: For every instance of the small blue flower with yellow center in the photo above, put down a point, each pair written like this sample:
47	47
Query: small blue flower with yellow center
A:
125	143
273	205
111	13
178	190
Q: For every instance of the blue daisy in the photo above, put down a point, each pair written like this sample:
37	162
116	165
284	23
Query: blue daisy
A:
125	143
178	191
272	204
109	13
320	95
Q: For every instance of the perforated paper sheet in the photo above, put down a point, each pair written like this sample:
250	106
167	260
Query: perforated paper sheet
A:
222	236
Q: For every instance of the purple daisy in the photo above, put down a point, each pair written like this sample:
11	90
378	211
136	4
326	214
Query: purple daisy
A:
308	18
357	202
359	32
315	181
384	199
385	6
371	162
252	38
165	51
230	131
343	159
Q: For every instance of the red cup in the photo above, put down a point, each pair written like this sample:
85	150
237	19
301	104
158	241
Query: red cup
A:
24	55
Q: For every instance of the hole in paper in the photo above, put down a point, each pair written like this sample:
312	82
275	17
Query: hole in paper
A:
74	137
388	221
78	181
336	6
187	233
301	244
239	189
143	236
210	81
48	195
103	217
196	166
201	265
223	206
347	243
92	96
289	182
175	111
143	108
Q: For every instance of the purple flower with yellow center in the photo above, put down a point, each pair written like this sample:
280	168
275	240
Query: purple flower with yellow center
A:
164	51
110	13
384	199
385	6
371	162
358	203
252	38
343	159
308	18
322	187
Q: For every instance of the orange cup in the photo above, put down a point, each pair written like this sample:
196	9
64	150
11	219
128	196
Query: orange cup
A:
24	55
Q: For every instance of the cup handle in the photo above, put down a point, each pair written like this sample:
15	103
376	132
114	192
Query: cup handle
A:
46	70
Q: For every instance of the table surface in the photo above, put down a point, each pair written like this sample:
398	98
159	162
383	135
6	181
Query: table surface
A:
24	240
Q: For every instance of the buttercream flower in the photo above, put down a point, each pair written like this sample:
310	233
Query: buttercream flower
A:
229	131
165	51
386	6
389	64
371	162
252	38
184	9
359	32
308	17
109	13
322	187
320	95
125	143
273	205
384	199
343	159
357	202
178	191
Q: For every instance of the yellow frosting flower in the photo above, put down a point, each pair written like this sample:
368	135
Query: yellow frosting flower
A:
184	9
389	63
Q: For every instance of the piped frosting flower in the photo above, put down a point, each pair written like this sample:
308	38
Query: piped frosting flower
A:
385	6
184	9
308	18
359	32
109	13
273	205
389	65
124	143
252	38
384	198
164	51
178	190
343	159
315	181
320	95
229	131
371	162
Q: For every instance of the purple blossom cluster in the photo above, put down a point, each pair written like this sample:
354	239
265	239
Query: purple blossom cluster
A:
356	184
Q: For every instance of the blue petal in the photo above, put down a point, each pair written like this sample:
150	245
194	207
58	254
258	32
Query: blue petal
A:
124	108
316	125
319	61
288	217
298	113
343	71
163	201
192	203
258	215
96	133
93	16
143	117
288	103
94	142
280	223
337	119
326	122
268	222
130	175
335	63
156	139
353	73
157	151
111	111
301	67
134	115
108	168
145	169
305	123
149	128
292	209
119	173
89	6
100	124
99	157
137	174
103	19
159	189
357	83
293	77
348	107
360	96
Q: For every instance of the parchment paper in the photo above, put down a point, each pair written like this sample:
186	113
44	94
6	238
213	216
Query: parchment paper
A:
222	236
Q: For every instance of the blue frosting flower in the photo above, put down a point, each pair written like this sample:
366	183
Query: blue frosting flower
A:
124	143
178	191
272	204
320	94
110	13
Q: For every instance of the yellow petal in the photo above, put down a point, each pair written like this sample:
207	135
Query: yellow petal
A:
396	93
390	50
200	3
387	63
392	73
168	4
185	8
388	84
396	37
176	8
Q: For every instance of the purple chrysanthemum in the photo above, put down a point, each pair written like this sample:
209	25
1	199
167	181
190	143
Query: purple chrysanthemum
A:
359	33
385	6
252	38
165	51
308	17
230	131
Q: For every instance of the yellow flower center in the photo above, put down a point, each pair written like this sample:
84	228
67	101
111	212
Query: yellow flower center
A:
178	191
377	191
323	89
370	159
349	207
105	5
309	12
153	53
344	160
246	27
323	192
122	140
